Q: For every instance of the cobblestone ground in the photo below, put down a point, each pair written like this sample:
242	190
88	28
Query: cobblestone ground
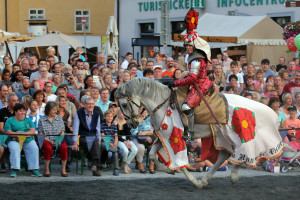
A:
253	184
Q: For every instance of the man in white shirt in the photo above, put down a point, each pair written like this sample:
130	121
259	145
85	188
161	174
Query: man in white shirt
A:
128	58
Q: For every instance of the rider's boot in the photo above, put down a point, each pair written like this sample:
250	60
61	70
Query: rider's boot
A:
189	132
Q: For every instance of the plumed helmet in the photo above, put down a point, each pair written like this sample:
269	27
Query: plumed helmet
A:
191	37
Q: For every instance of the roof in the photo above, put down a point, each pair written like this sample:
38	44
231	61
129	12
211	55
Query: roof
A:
261	30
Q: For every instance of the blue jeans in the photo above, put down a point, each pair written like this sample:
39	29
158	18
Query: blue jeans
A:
31	151
127	156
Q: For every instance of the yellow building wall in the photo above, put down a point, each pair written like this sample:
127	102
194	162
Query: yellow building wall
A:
60	12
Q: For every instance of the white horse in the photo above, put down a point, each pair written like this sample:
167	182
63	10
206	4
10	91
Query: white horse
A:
265	142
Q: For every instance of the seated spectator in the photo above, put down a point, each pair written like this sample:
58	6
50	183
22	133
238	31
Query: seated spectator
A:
70	107
265	65
32	115
219	76
194	152
256	96
292	123
50	96
113	67
39	82
26	101
87	123
228	90
281	64
26	90
89	83
110	129
235	71
17	85
128	148
277	85
249	85
3	94
287	102
61	102
145	139
248	96
157	69
264	100
234	84
297	103
55	82
49	125
274	103
293	87
39	96
271	79
17	125
10	88
107	80
283	73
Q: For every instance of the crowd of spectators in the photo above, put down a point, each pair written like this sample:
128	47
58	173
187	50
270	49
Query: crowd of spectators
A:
48	97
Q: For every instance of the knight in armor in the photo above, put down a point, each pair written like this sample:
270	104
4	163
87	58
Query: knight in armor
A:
198	56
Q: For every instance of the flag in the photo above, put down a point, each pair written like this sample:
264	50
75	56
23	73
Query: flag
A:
3	138
107	139
89	141
283	134
22	138
40	139
58	140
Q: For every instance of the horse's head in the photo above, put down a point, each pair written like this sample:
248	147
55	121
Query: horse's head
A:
129	107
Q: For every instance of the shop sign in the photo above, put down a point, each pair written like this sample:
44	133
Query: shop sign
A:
230	3
148	6
180	38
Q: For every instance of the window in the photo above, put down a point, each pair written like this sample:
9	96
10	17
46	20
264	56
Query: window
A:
36	13
177	27
147	28
79	27
282	21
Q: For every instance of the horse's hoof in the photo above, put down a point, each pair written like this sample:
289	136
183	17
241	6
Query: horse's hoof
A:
234	179
204	183
199	185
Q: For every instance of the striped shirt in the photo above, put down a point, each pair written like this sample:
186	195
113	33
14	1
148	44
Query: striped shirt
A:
109	131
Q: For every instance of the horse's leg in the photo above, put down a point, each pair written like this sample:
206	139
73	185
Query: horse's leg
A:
155	148
191	178
223	155
234	174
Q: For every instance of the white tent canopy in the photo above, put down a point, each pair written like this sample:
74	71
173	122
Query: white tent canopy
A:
260	30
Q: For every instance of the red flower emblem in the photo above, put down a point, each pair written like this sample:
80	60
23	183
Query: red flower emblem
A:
169	112
176	141
243	123
191	20
164	126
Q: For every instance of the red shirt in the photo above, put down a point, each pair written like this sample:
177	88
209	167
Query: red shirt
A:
170	74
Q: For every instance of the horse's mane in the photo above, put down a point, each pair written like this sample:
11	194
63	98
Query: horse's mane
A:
145	88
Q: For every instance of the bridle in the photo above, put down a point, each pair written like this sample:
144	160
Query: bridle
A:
135	117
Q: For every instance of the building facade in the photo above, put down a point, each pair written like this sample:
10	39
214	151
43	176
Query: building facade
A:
141	18
64	16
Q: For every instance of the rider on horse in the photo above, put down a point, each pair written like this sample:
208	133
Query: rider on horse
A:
198	56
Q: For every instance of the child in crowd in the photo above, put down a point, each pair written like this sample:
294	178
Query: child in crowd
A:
291	123
110	129
234	68
32	114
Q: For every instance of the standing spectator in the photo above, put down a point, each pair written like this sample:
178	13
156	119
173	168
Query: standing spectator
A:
158	60
79	64
37	74
74	87
274	103
5	77
281	64
128	58
287	102
89	82
103	104
277	85
170	68
51	53
33	63
284	76
112	65
150	64
157	70
39	96
25	67
177	74
51	60
291	69
87	123
133	69
143	63
3	94
7	63
26	90
226	63
17	85
78	53
293	87
95	94
55	82
17	125
39	82
110	129
107	80
265	65
259	82
32	114
49	125
129	150
235	70
243	60
50	96
16	67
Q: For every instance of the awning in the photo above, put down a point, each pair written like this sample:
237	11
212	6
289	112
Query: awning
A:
145	42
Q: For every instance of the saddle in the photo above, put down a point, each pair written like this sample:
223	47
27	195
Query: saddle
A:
217	102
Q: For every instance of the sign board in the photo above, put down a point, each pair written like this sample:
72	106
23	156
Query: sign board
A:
180	38
292	4
83	20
